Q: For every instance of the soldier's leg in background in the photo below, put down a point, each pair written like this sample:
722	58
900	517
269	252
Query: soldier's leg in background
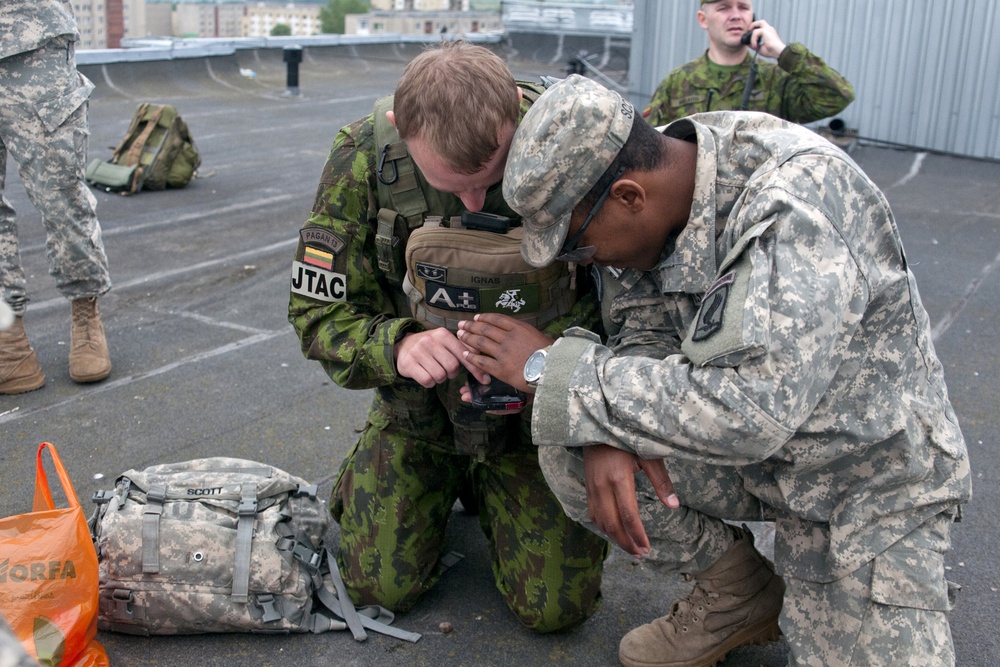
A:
393	500
50	148
12	281
891	611
547	566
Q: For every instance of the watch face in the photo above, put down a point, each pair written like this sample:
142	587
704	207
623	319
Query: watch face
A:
534	365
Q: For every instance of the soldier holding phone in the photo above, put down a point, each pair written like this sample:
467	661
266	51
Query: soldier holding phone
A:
799	87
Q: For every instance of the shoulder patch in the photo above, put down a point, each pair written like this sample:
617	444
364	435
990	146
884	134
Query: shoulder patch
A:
317	237
713	306
316	283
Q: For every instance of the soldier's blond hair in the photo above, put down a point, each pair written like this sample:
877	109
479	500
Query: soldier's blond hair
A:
458	97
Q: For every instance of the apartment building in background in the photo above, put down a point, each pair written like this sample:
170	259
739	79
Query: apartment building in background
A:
420	5
218	18
261	17
104	23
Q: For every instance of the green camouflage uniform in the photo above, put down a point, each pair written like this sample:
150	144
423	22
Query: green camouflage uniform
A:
43	124
800	88
780	359
397	486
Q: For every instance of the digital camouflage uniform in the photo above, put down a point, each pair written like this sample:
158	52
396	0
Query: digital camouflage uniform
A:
800	88
780	359
12	653
397	486
43	125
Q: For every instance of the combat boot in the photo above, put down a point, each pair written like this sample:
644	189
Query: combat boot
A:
89	360
19	369
734	602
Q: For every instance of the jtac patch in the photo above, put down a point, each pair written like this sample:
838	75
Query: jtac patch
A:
445	297
713	305
318	284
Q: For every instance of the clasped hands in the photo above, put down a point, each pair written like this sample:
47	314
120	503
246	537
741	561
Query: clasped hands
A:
500	345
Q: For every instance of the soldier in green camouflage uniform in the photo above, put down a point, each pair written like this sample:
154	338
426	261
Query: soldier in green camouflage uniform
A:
800	87
43	125
772	352
396	488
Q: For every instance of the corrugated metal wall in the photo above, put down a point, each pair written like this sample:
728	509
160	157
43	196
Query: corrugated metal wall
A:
925	72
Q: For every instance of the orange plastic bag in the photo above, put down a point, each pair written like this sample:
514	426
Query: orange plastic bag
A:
48	576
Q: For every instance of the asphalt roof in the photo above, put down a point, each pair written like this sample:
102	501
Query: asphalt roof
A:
206	364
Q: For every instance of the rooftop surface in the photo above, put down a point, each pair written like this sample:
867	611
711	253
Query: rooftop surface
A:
206	364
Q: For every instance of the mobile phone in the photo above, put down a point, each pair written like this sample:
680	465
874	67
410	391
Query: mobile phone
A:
497	395
747	36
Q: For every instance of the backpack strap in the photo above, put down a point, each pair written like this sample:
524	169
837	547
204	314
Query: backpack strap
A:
244	540
140	113
398	187
134	154
155	498
373	617
401	200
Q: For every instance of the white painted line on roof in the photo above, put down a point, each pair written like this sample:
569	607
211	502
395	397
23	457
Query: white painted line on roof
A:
132	379
155	277
111	84
187	217
212	321
918	160
949	318
226	84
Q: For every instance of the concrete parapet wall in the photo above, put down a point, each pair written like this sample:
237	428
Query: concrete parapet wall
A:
161	69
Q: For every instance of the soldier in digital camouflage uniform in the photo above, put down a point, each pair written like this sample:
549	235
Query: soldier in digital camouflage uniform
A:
420	446
771	352
800	87
12	653
43	125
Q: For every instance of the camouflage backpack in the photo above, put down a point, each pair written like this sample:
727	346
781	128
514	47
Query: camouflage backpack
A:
157	152
220	545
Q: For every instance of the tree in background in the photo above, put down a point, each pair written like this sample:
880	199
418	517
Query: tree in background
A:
281	30
332	16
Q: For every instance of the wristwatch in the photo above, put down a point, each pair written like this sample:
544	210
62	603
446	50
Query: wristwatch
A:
534	366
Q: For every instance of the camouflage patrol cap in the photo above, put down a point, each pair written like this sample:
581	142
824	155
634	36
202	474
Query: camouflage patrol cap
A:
565	142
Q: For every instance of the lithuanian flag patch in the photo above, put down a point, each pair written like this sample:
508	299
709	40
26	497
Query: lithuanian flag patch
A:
318	258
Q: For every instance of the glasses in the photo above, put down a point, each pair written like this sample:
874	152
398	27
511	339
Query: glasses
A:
569	252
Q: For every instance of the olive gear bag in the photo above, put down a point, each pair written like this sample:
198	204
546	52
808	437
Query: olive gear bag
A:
220	545
157	152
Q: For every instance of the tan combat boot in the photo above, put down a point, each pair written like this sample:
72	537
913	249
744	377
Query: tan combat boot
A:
735	602
89	360
19	369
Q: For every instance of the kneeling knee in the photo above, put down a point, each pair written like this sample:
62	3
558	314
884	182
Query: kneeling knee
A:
555	615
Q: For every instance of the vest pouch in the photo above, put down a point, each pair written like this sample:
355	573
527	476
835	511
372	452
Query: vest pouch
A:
452	274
